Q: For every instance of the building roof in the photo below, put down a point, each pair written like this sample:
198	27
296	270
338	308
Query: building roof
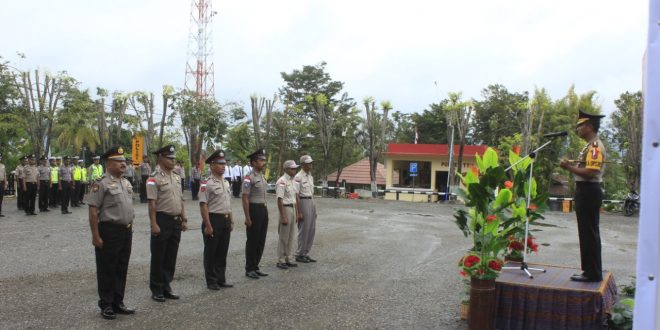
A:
358	173
431	149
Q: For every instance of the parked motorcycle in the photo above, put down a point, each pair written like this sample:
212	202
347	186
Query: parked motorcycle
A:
631	205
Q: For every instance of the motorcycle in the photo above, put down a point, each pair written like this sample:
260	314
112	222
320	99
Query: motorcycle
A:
631	204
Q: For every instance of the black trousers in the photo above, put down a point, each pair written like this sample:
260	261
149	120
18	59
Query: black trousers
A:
54	197
2	194
215	248
256	236
236	187
195	189
81	192
65	195
143	189
588	200
20	196
44	187
112	263
75	193
164	249
30	197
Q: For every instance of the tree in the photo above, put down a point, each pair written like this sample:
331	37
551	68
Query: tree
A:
168	95
76	123
627	134
142	104
374	131
499	114
458	115
258	104
41	96
12	120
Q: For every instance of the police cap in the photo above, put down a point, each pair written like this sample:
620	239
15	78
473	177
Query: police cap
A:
259	154
217	157
114	153
166	151
584	117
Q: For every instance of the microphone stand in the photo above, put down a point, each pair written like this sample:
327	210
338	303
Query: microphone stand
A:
532	155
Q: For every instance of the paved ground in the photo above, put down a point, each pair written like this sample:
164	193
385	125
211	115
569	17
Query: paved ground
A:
382	264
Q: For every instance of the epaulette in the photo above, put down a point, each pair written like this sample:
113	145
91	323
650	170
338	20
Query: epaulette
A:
154	173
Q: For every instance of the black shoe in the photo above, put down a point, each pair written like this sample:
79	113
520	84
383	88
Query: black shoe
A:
310	259
260	273
66	212
2	215
82	203
291	264
282	265
158	297
170	295
45	210
582	278
225	285
108	313
252	275
302	259
214	287
122	309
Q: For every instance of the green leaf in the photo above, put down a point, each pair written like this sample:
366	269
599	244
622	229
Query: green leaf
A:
490	158
503	197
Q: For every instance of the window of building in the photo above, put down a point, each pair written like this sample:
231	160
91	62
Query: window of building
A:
401	176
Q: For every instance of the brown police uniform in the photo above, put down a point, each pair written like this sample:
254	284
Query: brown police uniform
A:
66	186
216	194
44	186
166	190
3	182
307	226
19	185
254	185
30	178
286	189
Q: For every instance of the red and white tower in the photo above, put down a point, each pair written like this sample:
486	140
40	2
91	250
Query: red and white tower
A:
199	68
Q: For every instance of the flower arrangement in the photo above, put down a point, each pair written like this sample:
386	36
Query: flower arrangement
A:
497	212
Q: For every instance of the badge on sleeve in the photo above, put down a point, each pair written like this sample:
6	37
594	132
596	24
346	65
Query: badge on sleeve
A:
95	187
247	183
203	187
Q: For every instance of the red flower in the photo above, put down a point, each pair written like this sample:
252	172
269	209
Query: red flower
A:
475	170
532	207
531	244
491	218
508	184
495	265
463	273
516	245
470	261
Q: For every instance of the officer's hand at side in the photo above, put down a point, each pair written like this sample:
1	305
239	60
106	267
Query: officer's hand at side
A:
97	241
248	222
208	230
155	230
284	221
184	225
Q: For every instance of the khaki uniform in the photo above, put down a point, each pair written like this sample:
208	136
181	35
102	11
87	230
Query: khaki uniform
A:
3	180
216	193
307	226
166	190
286	189
44	186
112	198
255	185
66	182
30	178
145	169
20	196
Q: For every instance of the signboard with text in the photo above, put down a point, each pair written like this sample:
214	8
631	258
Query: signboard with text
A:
413	169
136	150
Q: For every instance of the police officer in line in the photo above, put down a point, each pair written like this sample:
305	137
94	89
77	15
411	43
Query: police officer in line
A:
145	170
130	171
287	204
20	196
168	218
30	179
84	180
65	184
237	178
588	174
44	184
217	222
256	215
3	184
111	217
306	225
77	182
95	170
196	179
53	196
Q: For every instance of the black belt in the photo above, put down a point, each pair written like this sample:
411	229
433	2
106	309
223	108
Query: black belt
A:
586	182
173	217
288	205
305	197
226	215
121	226
40	180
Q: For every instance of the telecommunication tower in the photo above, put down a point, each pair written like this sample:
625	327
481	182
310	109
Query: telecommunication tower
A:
199	68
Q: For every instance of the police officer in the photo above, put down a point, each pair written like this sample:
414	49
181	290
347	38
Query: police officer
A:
256	214
111	221
44	184
588	174
30	181
168	218
53	196
145	170
3	183
196	178
287	204
130	171
77	182
95	170
65	184
217	222
306	225
237	177
20	196
84	180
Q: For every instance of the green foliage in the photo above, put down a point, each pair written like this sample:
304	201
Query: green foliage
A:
622	315
76	123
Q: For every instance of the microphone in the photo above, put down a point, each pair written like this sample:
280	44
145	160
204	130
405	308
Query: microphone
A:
556	134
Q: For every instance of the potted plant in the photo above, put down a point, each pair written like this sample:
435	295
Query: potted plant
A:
497	209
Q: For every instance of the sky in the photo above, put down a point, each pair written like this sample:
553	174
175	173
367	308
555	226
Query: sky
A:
411	53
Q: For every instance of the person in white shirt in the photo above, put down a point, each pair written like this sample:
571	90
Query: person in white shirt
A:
247	169
227	175
237	177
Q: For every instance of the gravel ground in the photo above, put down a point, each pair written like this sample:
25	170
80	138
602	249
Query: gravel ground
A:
382	264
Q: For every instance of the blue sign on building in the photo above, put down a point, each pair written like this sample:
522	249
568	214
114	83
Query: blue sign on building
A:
413	168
